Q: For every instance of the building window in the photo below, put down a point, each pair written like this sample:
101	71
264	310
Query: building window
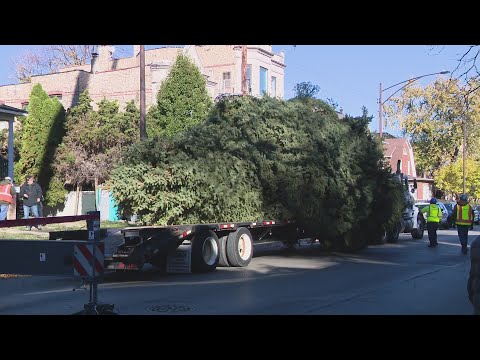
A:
227	82
427	192
249	79
263	81
58	95
25	105
408	169
273	89
404	151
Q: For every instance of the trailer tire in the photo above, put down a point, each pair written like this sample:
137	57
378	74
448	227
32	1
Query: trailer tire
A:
240	247
205	254
222	250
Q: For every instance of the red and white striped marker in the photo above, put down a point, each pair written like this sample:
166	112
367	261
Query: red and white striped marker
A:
83	261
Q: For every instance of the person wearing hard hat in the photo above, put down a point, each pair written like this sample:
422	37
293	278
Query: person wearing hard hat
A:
462	217
434	216
7	192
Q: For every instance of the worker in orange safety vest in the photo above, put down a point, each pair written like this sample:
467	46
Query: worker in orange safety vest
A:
462	217
7	192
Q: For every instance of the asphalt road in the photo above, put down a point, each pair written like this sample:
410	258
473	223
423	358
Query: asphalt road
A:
404	278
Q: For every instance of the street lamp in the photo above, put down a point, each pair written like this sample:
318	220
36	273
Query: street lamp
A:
408	82
464	148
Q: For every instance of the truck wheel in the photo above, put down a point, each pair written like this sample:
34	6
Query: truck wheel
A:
239	247
418	232
222	249
392	235
205	254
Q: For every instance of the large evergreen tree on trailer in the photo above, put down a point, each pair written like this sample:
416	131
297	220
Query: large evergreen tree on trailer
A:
264	159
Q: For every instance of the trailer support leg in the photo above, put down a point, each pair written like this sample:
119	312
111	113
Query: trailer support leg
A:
93	307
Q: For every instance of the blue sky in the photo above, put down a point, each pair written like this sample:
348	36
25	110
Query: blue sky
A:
348	74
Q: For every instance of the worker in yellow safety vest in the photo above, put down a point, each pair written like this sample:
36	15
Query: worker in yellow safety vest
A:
463	219
434	216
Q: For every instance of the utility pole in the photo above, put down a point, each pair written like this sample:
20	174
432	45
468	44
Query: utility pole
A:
464	145
143	128
464	149
380	131
244	70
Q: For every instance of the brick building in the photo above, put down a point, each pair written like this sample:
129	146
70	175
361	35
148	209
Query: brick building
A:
401	149
119	79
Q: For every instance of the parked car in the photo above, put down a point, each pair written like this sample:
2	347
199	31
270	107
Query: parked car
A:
449	206
445	222
476	214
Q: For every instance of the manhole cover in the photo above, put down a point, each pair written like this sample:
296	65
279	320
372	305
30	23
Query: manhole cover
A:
169	308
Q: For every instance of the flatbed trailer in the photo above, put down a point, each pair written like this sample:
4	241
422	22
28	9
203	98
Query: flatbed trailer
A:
212	245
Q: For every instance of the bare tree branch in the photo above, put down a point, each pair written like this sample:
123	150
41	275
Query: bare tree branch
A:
467	68
467	64
49	59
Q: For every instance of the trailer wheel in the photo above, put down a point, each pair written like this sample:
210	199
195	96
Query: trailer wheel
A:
239	247
205	254
222	249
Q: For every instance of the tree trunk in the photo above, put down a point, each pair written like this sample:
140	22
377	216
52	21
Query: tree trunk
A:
77	197
95	189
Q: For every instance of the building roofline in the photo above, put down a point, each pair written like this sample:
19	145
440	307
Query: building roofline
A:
12	110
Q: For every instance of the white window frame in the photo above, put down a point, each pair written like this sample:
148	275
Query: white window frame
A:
260	81
249	79
226	82
273	86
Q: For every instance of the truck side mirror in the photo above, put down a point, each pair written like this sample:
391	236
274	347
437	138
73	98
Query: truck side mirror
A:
414	183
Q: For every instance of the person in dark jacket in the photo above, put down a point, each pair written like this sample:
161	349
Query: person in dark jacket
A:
31	193
473	285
